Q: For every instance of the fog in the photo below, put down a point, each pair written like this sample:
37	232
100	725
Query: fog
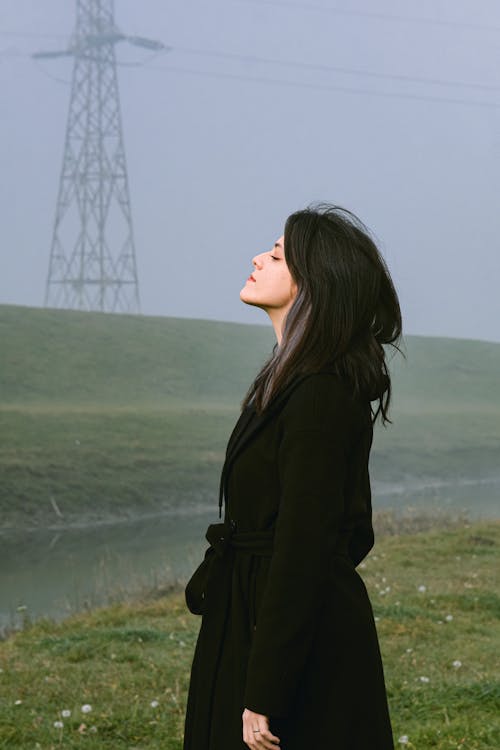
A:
258	108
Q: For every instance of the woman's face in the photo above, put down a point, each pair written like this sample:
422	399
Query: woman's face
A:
270	285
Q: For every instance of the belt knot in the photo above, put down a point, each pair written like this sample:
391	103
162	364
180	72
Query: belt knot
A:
219	534
224	535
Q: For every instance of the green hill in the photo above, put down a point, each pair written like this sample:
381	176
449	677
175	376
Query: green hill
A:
69	357
106	416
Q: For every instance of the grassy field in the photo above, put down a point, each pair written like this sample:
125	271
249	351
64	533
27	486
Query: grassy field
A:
109	462
112	416
437	606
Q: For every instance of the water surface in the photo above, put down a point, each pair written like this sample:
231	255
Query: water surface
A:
56	572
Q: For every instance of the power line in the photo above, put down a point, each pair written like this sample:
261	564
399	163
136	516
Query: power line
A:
373	14
37	34
50	75
339	69
307	66
327	87
304	65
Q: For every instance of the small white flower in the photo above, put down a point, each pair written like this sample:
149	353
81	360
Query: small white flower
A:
17	703
403	740
448	618
181	643
154	704
457	663
409	650
58	724
86	708
424	679
422	588
66	713
93	729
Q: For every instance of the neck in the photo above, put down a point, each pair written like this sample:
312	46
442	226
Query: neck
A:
277	319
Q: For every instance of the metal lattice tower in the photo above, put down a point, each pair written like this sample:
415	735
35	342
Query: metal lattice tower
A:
92	259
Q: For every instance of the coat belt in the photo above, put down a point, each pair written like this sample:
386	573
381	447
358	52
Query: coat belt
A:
223	535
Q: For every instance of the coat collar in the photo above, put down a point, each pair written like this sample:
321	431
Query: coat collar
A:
247	426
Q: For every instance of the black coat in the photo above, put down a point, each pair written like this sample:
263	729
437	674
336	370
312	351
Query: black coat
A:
287	627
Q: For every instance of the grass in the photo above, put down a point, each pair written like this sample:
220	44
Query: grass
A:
122	658
71	357
110	463
107	416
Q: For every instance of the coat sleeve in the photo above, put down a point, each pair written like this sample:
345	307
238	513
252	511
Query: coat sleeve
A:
312	460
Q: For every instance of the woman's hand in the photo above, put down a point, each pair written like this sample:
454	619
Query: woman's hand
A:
262	740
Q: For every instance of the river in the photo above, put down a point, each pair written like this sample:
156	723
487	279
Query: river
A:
57	572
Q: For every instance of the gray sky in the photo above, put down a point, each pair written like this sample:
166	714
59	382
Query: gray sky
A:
221	150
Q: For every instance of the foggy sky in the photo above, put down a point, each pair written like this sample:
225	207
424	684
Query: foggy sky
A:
217	162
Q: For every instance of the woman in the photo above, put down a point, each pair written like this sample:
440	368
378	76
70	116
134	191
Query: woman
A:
287	654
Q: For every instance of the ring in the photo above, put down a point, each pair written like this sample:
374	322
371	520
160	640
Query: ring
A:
255	730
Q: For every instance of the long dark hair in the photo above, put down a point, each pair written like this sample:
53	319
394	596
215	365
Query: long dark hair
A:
346	308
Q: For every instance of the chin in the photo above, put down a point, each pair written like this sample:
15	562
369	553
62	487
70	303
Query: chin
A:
246	300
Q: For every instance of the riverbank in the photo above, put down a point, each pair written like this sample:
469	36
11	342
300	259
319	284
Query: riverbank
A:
122	671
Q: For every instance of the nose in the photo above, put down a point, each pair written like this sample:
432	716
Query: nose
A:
256	260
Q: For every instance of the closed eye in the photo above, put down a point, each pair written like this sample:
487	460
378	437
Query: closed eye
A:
274	257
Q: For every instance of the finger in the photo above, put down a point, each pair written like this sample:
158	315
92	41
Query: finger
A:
250	737
260	740
270	736
264	744
266	739
266	733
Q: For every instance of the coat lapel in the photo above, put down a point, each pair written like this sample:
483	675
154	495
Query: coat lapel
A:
239	429
247	426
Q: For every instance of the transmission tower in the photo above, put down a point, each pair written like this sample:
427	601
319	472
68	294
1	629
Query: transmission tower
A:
92	259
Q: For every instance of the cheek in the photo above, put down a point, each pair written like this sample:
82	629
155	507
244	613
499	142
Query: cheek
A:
288	284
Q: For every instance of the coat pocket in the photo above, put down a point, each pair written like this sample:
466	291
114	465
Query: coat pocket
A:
196	587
